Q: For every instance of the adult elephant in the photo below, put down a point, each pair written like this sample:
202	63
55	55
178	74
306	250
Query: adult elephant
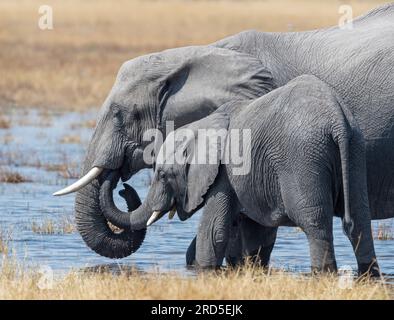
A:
186	84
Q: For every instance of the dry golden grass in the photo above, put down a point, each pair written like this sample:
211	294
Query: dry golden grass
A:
5	238
384	232
4	123
65	170
70	139
84	124
74	65
17	283
47	227
8	176
7	139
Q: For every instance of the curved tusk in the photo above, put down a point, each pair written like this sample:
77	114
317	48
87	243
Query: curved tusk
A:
86	179
155	215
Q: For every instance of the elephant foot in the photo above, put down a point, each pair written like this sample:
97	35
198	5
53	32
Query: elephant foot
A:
191	259
262	256
369	270
232	262
207	269
327	268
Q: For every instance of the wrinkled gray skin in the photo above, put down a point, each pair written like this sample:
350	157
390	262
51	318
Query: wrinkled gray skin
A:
307	164
187	84
247	241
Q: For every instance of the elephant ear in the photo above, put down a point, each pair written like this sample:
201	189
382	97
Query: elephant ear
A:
203	152
196	81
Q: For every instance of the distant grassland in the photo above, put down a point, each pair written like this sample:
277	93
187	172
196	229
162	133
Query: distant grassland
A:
246	284
74	66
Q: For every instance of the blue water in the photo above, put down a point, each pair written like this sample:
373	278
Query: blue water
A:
33	140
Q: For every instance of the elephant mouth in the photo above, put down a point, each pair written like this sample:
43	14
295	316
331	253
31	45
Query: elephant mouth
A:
158	214
126	171
115	229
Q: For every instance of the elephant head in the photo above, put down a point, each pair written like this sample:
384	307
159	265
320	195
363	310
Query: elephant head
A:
187	165
181	85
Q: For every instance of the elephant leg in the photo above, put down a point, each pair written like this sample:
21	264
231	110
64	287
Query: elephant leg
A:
361	238
308	202
322	255
233	251
321	245
257	241
317	223
191	253
214	228
360	232
234	246
362	243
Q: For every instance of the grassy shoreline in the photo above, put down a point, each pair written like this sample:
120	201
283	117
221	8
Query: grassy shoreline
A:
248	283
73	66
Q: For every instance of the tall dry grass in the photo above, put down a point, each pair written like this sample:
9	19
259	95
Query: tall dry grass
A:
5	238
16	283
65	225
8	176
74	65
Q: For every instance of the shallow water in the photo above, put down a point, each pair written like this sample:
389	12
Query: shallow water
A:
34	141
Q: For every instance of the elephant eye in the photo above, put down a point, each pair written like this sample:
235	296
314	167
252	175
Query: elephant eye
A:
115	108
117	114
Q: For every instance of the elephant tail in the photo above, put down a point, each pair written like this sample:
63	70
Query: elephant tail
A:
348	137
343	145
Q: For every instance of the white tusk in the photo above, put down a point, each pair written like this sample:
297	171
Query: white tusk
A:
153	218
86	179
172	213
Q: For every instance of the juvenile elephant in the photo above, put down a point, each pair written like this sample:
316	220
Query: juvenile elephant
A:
186	84
307	164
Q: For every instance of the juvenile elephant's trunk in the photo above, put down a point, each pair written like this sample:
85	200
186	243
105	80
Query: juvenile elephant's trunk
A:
135	220
94	228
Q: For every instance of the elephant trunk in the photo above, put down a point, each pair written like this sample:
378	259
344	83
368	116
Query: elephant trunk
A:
135	220
94	227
